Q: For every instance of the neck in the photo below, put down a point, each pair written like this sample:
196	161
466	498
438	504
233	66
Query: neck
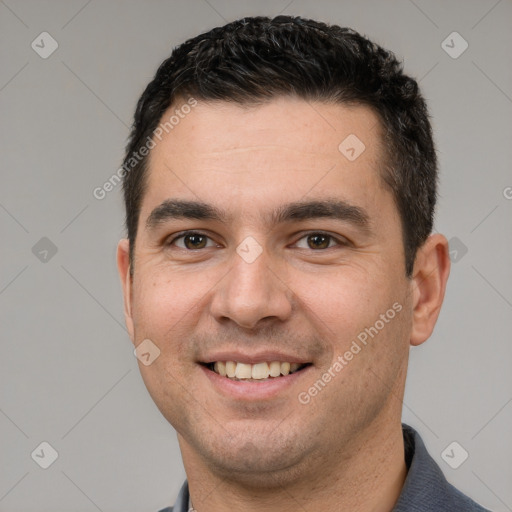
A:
366	476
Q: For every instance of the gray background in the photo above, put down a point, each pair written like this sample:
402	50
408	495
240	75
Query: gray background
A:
68	375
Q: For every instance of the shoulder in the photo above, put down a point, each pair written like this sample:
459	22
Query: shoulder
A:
462	503
182	501
426	488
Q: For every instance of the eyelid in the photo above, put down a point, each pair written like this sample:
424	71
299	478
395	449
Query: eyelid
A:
170	240
340	240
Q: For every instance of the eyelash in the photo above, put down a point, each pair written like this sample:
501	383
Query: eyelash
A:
199	233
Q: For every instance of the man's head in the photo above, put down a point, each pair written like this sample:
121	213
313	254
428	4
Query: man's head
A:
253	60
283	219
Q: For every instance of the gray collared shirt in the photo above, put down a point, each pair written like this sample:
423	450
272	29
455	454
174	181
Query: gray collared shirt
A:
425	488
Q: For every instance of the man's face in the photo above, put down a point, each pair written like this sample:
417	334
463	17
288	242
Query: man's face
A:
304	252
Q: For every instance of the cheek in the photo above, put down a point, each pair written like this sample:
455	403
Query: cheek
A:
165	302
345	299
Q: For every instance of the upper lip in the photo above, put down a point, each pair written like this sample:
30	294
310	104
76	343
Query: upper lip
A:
253	358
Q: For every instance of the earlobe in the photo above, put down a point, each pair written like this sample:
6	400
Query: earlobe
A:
123	267
430	275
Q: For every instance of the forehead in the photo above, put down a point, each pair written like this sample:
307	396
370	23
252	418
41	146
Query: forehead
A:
282	150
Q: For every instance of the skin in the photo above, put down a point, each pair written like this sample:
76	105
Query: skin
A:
344	449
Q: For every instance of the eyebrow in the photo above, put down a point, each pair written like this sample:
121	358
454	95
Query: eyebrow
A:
173	209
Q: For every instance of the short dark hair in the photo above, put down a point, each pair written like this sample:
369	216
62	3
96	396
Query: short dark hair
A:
255	59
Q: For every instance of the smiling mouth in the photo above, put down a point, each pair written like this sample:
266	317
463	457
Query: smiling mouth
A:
258	372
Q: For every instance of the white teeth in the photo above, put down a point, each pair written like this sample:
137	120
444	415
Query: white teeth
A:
275	369
220	368
243	371
258	371
230	369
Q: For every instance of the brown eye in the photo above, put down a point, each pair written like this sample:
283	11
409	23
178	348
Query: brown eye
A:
318	241
192	241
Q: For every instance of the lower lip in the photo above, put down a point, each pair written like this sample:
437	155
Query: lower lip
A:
253	390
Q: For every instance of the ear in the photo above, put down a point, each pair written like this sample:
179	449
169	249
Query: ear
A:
123	267
430	274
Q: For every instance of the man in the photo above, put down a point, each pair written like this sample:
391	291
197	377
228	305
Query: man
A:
280	183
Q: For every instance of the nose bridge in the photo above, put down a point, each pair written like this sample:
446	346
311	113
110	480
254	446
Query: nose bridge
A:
252	276
251	290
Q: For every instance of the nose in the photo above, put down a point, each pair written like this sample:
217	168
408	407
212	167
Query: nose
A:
252	291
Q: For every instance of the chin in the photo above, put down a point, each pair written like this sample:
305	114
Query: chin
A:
261	473
263	460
